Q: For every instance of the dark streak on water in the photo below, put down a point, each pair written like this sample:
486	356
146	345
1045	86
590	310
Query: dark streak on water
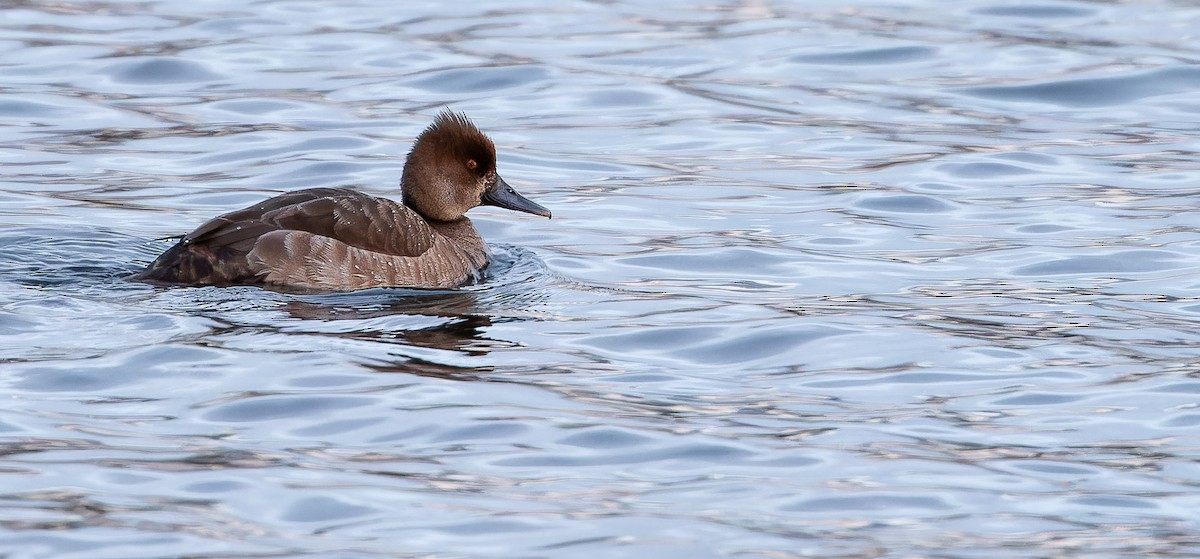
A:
904	279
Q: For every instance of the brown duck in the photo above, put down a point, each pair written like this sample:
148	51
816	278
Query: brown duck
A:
341	239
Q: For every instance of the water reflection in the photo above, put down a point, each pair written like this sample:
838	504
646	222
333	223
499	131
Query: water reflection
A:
367	319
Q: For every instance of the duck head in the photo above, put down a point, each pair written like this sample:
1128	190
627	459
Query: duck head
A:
452	168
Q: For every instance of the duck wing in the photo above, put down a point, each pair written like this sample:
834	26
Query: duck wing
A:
330	238
351	217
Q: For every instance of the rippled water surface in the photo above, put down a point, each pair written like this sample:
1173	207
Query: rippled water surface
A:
880	279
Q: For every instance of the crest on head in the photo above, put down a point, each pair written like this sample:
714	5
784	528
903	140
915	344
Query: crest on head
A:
452	168
454	135
449	167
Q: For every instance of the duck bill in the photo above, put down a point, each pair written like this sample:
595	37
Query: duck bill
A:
505	196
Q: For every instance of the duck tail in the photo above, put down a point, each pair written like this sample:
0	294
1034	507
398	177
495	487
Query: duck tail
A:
167	267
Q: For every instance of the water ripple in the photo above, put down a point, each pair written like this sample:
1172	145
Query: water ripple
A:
840	281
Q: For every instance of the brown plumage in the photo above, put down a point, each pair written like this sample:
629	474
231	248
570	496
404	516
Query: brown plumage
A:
341	239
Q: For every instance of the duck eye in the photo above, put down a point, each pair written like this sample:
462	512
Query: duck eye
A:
471	164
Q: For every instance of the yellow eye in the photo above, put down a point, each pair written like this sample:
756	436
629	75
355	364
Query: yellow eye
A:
471	164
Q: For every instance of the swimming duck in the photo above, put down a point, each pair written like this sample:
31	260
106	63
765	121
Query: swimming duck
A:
340	239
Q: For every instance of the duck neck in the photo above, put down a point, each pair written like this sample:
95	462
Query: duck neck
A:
462	233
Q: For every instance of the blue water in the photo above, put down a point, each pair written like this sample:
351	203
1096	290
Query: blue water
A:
890	279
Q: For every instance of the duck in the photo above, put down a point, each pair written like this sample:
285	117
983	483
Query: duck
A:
340	239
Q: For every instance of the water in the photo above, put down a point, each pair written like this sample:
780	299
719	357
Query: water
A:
893	279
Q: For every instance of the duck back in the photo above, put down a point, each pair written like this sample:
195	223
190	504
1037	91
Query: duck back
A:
324	238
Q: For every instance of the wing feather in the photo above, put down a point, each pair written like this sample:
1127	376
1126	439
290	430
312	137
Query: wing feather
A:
332	238
354	218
